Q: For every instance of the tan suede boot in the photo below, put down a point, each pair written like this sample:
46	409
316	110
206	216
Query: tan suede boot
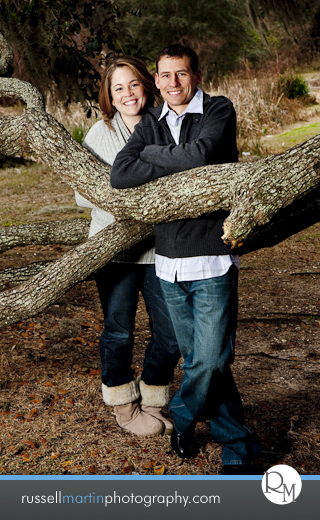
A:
156	411
130	417
153	399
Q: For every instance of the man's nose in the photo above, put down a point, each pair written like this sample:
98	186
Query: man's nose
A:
174	81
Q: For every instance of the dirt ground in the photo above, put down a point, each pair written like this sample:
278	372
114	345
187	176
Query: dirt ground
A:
52	417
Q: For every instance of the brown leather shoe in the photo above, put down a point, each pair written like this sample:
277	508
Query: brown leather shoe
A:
131	418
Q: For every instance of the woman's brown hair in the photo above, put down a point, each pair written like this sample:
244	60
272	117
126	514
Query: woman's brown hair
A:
138	67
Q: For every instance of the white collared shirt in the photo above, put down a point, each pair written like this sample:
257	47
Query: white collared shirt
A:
195	267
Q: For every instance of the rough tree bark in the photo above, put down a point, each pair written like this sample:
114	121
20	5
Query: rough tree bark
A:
267	200
63	232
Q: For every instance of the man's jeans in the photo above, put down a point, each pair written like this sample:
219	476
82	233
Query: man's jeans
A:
119	285
204	315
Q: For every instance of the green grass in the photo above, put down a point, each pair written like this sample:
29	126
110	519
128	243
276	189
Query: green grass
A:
293	137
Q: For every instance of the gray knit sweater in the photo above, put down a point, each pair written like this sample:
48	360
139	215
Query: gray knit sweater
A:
104	144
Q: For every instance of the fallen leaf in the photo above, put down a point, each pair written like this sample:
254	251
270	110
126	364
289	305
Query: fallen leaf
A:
30	443
67	463
148	465
94	371
128	467
55	455
159	470
78	338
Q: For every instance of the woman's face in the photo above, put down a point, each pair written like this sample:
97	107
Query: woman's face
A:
127	92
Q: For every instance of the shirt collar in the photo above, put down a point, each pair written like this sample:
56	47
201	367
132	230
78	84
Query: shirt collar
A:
194	107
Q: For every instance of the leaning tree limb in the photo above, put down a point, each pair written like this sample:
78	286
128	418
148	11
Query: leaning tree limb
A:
264	198
66	232
11	276
51	283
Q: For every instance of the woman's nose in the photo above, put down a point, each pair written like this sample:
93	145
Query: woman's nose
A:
128	91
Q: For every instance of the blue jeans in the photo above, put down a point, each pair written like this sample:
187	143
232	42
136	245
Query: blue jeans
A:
119	285
204	316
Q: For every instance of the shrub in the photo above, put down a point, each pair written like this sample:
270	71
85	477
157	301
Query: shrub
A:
78	133
293	86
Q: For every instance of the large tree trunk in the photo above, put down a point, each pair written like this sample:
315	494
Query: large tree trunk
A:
268	200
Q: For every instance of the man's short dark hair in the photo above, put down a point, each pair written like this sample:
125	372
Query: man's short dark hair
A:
177	50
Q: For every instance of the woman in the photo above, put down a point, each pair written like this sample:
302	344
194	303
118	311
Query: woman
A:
127	90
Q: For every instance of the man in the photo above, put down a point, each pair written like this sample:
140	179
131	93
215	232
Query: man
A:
198	274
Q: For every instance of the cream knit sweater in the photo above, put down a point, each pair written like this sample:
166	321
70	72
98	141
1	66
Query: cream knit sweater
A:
104	144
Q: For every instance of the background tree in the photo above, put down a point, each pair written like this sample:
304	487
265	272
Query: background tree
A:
217	29
60	45
300	20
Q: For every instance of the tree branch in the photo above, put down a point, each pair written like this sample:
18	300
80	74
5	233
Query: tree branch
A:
67	232
53	281
17	275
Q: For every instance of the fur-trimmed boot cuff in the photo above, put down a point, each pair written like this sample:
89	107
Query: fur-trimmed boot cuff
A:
122	394
153	395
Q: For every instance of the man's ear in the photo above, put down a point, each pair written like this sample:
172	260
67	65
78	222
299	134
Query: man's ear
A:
198	75
156	81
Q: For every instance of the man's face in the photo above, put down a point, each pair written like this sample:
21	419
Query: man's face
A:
176	81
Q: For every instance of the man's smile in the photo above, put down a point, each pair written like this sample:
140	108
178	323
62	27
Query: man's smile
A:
174	92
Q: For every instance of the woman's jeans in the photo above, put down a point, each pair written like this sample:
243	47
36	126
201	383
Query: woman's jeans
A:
119	285
204	316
